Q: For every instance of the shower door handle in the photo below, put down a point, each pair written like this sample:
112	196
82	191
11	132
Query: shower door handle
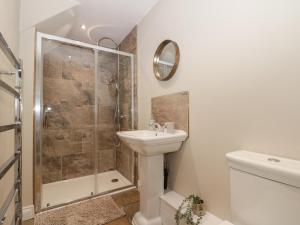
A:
47	110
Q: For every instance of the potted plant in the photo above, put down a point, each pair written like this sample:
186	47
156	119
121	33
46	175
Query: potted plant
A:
191	210
197	205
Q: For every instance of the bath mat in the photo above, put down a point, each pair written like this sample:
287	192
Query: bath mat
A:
95	211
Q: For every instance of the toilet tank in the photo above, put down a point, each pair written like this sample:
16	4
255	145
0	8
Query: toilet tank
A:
265	190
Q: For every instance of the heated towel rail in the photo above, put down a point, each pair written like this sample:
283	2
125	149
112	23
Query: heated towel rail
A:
15	194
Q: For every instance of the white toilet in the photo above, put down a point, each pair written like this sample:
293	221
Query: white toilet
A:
265	190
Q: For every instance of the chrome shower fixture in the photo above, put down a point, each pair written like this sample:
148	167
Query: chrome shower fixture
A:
110	39
115	81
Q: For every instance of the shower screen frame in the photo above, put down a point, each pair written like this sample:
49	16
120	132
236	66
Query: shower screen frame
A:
38	109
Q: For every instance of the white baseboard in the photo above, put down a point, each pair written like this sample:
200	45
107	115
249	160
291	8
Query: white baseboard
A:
28	212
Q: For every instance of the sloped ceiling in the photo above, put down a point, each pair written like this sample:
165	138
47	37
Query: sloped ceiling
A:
112	18
33	12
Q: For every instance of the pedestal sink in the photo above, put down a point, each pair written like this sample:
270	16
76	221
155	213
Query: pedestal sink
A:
151	146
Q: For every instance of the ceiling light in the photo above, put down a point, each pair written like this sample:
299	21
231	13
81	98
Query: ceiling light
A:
83	27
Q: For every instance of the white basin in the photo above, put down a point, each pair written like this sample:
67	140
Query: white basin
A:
148	143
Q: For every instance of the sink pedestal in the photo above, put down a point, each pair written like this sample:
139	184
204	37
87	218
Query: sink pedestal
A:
151	145
152	187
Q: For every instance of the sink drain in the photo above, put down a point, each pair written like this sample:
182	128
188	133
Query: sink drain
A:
115	180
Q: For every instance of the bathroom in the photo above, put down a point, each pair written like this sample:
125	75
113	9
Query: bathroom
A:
89	75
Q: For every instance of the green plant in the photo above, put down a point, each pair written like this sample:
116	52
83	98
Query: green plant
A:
185	210
196	199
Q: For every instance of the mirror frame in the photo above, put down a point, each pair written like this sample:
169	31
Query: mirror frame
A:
157	54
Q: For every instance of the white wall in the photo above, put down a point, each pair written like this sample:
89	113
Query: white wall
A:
9	27
35	11
9	23
32	12
240	61
27	53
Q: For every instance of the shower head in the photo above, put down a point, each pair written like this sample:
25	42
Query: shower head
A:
110	39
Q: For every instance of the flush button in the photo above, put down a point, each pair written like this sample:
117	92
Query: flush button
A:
274	160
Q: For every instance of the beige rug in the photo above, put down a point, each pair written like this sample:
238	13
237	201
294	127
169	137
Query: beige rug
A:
94	211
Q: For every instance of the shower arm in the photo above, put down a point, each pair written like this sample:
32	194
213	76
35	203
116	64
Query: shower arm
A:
108	38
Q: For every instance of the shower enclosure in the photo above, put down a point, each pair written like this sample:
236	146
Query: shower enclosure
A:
83	95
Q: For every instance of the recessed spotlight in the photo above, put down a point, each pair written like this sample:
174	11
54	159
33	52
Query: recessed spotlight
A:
82	26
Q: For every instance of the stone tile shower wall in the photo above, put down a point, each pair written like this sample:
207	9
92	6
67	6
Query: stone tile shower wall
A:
107	71
69	130
125	156
172	108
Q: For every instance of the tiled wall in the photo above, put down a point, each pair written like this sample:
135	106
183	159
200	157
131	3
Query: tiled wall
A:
172	108
68	132
125	156
107	71
69	89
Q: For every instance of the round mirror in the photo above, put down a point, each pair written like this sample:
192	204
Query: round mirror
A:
166	60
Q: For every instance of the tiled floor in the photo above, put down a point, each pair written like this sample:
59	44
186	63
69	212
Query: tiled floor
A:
28	222
128	200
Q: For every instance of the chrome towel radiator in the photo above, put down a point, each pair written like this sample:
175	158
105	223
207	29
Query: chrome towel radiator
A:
15	195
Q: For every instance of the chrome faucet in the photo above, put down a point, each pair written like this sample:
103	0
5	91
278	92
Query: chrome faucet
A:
157	127
154	125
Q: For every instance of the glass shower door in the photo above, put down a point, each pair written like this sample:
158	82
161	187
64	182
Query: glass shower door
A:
68	140
114	165
84	95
